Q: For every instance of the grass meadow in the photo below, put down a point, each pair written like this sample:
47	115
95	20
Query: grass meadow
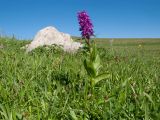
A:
48	84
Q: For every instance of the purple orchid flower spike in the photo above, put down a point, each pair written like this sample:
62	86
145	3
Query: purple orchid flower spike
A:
85	26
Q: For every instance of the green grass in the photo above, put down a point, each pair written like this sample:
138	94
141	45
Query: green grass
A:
48	84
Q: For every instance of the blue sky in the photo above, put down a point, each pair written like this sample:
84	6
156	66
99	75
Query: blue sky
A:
111	18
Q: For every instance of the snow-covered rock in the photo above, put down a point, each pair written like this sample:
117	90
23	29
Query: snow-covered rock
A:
67	37
50	36
71	46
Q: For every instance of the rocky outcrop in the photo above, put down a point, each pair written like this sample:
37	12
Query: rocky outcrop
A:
51	36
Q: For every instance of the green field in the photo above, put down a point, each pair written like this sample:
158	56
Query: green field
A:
48	84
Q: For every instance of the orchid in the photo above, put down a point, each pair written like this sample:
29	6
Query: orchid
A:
92	62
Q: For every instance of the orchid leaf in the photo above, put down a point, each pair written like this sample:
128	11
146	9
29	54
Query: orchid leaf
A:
89	68
96	63
101	77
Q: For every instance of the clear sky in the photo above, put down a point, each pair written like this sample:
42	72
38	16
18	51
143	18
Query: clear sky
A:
111	18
